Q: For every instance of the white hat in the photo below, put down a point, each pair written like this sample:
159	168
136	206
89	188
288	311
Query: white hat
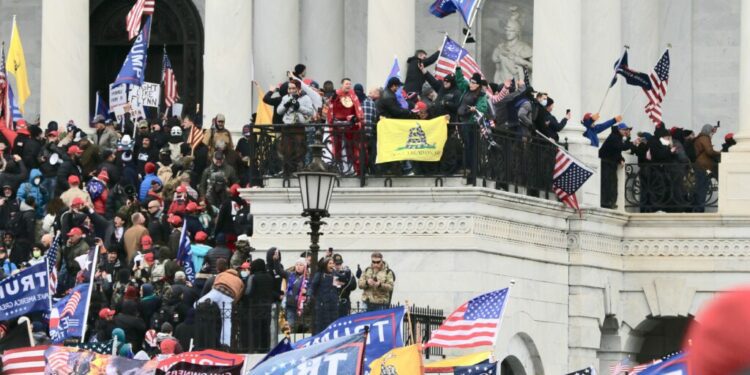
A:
243	237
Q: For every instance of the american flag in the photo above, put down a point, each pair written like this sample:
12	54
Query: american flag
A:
620	367
587	371
170	82
451	53
133	20
24	361
637	369
659	80
58	361
17	115
568	176
72	305
51	269
195	137
473	324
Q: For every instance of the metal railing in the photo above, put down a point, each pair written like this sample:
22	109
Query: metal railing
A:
674	187
257	328
488	156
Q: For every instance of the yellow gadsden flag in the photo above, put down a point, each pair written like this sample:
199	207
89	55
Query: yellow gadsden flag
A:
405	360
419	140
263	112
16	65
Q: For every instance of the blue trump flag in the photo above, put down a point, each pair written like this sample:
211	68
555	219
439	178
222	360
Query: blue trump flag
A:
24	292
632	77
467	8
442	8
134	68
676	365
283	346
185	254
396	72
342	355
68	315
385	331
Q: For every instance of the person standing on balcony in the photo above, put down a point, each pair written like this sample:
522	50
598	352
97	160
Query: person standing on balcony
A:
592	129
377	283
345	108
296	108
706	165
611	155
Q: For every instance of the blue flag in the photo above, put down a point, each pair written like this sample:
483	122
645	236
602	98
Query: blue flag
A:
481	368
676	365
68	315
24	292
283	346
100	107
632	77
17	115
385	331
342	355
442	8
185	254
134	68
467	8
396	72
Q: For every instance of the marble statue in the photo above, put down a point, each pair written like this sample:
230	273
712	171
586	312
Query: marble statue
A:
513	55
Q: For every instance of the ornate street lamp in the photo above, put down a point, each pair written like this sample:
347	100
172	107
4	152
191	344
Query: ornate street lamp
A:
316	186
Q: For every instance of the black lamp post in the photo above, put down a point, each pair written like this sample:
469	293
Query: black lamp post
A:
316	186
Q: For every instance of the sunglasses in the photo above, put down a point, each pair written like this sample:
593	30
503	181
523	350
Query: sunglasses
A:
377	261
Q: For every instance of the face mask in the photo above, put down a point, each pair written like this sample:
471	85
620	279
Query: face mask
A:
664	141
37	180
543	102
37	253
244	274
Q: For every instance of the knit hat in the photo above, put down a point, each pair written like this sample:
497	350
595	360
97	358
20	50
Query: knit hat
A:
131	292
150	168
394	81
661	132
450	78
119	333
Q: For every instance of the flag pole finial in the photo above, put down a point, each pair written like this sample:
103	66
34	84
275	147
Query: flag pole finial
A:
627	46
669	45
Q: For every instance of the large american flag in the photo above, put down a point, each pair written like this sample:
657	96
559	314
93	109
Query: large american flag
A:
452	54
620	367
24	361
195	137
659	79
133	20
473	324
51	269
568	176
170	82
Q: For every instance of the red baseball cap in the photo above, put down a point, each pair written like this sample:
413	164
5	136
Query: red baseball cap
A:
175	220
77	201
419	107
146	242
201	236
149	258
74	150
106	313
181	189
235	190
728	136
191	207
75	232
73	180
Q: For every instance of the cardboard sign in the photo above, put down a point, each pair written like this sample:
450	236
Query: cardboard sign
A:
117	96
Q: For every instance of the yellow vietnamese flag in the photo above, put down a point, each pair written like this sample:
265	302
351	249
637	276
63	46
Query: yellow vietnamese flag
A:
16	65
406	360
419	140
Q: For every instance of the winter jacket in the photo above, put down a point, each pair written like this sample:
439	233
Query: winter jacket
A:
146	185
707	157
380	294
592	130
30	189
14	179
229	282
106	140
326	300
468	98
134	327
298	113
447	100
215	254
414	77
613	147
389	107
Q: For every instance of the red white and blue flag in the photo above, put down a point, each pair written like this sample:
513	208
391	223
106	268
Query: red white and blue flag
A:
133	20
170	82
655	94
468	9
475	323
185	254
442	8
453	55
68	315
52	269
568	176
24	361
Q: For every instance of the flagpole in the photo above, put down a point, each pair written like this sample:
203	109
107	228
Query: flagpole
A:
26	320
625	48
471	23
88	298
502	314
410	339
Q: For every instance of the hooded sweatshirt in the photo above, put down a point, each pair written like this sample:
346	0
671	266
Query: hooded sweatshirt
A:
33	189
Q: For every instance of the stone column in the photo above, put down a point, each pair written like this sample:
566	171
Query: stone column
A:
228	62
65	62
734	170
322	39
390	31
276	40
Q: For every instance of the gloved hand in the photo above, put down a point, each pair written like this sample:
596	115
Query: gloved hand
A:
288	104
296	105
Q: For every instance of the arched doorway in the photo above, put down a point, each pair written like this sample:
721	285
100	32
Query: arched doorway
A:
176	25
511	366
658	336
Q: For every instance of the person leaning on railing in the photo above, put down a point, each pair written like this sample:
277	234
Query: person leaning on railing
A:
296	108
706	165
611	155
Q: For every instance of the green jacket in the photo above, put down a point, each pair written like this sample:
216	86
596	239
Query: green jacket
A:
463	86
381	293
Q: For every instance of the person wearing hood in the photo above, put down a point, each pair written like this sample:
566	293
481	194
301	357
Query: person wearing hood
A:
218	132
275	268
133	326
261	292
37	254
31	146
149	303
146	153
184	332
611	158
99	192
25	231
9	206
35	188
414	77
13	172
118	338
706	166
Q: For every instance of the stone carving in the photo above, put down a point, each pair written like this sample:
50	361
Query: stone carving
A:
508	45
687	247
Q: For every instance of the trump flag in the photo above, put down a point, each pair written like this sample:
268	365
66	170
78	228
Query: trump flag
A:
342	355
133	69
68	315
24	292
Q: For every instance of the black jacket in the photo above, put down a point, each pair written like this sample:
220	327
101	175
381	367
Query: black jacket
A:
414	77
447	100
613	147
659	152
134	327
388	107
214	254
